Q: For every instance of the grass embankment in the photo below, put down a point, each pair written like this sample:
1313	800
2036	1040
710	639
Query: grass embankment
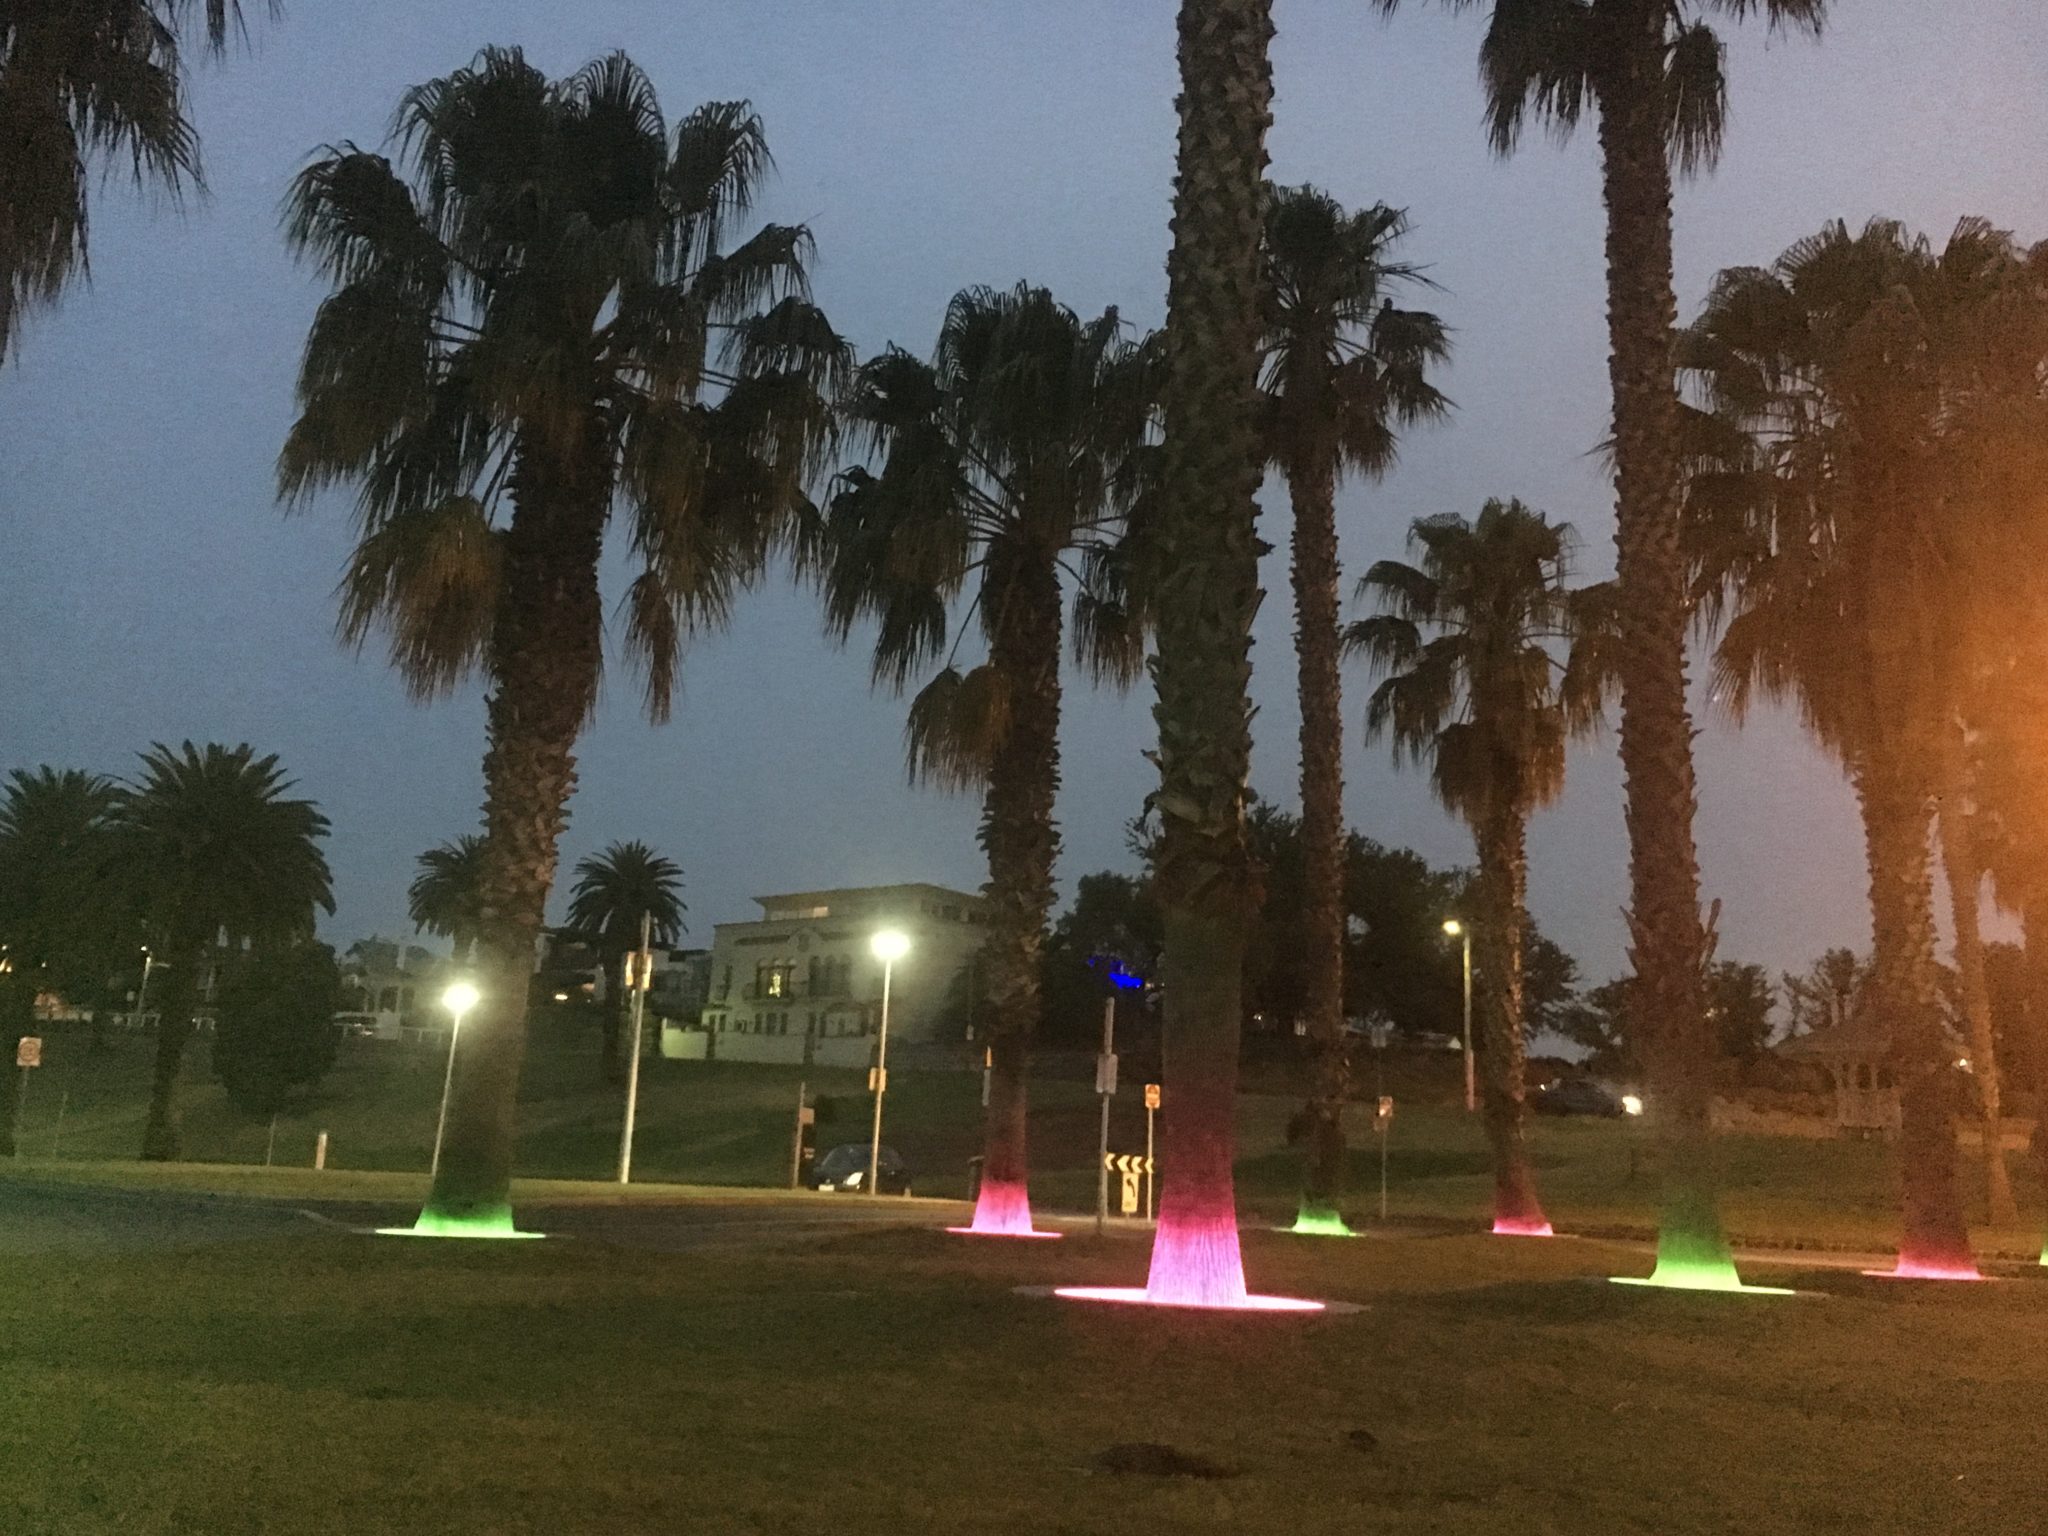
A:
729	1125
892	1383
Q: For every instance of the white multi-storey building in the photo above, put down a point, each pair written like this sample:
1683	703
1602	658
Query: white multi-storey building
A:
801	984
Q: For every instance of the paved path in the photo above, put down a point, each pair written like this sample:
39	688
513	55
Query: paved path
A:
38	1217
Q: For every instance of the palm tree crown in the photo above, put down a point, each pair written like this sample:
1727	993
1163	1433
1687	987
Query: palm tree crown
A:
220	848
616	888
530	314
1469	644
1344	369
84	86
446	896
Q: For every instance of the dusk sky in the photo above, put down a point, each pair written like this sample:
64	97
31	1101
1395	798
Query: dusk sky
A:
151	589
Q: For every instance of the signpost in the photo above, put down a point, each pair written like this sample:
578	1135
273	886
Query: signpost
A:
1151	1108
805	1116
1384	1122
1129	1170
1105	1085
28	1053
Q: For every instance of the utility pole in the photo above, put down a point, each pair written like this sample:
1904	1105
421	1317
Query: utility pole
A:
639	971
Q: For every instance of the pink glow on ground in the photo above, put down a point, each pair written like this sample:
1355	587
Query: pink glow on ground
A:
1130	1295
979	1232
1507	1226
1927	1269
1195	1263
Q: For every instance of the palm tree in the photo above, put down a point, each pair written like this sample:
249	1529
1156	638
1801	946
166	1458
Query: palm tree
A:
1873	575
57	931
1204	578
1343	369
1490	666
1654	73
1005	461
446	896
614	892
520	341
219	854
84	86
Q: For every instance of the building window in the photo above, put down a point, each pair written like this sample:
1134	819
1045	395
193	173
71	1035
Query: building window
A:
725	984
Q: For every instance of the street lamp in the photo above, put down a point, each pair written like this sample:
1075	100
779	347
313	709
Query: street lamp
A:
458	1000
1459	931
889	946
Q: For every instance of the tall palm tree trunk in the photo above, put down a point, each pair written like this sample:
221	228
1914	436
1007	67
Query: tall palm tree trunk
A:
2034	928
1965	877
547	655
1021	840
175	1002
17	1018
1669	942
1315	578
1896	812
1503	899
1207	588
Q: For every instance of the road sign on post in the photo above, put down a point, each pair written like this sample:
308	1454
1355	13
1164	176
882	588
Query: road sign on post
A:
1151	1108
29	1052
1129	1200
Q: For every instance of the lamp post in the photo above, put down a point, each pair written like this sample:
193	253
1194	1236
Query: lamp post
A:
1459	931
142	992
458	1000
639	974
889	946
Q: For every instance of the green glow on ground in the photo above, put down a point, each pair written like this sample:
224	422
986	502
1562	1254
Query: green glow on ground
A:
490	1224
1700	1274
1320	1224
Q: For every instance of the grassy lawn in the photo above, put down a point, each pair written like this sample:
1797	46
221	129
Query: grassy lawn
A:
728	1124
892	1383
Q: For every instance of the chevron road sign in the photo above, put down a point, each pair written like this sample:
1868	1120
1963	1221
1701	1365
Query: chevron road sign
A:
1127	1163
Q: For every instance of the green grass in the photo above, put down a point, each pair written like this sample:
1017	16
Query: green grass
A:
892	1383
729	1124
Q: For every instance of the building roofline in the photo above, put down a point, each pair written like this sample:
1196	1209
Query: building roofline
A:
825	897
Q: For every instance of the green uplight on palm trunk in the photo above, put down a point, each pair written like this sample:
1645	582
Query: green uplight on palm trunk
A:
1697	1266
1320	1224
485	1224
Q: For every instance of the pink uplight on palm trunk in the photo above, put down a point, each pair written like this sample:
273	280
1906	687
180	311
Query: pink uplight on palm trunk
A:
1002	1210
1196	1262
1508	1226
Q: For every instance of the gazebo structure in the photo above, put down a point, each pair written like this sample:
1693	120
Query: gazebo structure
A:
1858	1061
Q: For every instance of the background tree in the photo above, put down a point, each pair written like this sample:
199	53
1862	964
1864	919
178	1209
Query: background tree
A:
614	891
275	1034
55	929
1490	665
1740	1001
446	896
1653	72
220	853
1826	995
1343	370
86	86
1005	461
519	343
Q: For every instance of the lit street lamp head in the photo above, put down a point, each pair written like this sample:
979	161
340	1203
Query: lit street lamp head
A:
890	945
459	998
1453	927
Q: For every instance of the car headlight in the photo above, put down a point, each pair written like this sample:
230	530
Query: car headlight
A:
1631	1105
852	1180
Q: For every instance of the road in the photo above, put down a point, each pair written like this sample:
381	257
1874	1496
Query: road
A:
40	1217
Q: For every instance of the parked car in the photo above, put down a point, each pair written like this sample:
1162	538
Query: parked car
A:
846	1168
1584	1096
